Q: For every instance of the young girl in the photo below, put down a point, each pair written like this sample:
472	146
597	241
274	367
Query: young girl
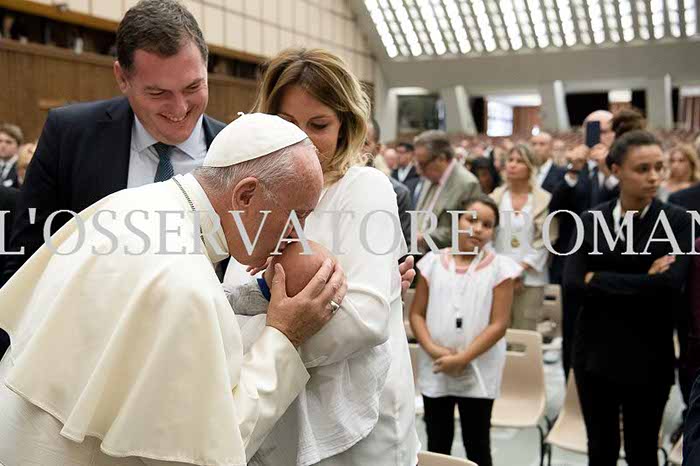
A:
459	315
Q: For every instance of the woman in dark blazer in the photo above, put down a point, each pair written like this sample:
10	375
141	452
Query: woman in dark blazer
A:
623	354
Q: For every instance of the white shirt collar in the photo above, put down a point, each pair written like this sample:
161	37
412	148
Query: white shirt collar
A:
194	146
617	214
215	243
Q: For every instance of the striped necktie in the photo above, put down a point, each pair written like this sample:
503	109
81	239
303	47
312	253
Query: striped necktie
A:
165	169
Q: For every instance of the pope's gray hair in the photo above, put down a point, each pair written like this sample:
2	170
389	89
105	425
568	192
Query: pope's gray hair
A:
273	171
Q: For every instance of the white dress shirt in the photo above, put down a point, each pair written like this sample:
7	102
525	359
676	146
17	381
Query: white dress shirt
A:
544	171
143	159
404	171
5	167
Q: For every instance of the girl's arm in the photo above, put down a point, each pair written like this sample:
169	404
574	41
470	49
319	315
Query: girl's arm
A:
418	324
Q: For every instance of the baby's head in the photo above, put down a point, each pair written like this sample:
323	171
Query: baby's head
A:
299	269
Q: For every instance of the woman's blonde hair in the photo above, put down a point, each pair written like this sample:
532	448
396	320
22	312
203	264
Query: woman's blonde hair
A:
327	78
687	151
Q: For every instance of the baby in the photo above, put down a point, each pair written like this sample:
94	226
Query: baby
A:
250	301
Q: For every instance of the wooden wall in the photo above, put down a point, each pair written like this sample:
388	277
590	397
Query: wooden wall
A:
36	78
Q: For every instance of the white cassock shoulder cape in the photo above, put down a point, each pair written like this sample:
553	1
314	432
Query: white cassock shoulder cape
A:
143	351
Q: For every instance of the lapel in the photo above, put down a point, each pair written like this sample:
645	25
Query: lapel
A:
115	143
208	131
441	201
424	190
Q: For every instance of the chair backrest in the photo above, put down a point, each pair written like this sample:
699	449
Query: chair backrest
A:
523	387
427	458
524	371
552	308
569	430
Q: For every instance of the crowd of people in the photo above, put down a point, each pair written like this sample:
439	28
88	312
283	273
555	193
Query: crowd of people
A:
324	376
617	331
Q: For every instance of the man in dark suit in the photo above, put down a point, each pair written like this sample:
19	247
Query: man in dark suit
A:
406	172
11	138
157	130
549	175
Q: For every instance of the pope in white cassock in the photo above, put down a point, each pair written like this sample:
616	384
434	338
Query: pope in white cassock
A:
124	348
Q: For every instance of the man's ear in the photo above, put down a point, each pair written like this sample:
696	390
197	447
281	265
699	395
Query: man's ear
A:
244	192
120	76
615	169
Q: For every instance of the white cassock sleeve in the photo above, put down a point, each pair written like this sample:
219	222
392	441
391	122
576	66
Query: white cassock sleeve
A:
368	247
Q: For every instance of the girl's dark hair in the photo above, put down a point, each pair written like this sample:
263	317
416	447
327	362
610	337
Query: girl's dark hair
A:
627	120
622	146
487	201
481	163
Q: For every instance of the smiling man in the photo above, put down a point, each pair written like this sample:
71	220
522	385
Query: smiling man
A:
155	131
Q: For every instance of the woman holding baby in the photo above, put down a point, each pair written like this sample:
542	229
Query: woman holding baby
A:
360	362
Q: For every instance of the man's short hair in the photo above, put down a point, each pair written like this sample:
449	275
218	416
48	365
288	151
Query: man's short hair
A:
162	27
13	131
406	145
436	142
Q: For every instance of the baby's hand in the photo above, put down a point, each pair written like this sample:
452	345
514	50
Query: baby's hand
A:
254	270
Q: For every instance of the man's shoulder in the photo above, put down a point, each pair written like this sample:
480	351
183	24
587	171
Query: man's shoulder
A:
399	187
8	197
215	125
91	111
689	197
462	176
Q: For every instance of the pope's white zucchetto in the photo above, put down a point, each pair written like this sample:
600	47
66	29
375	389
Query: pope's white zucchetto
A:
251	136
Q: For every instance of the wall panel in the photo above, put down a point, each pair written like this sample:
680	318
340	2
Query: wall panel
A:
37	78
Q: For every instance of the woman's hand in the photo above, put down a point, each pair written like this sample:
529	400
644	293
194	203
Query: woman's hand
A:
452	364
407	273
661	264
588	277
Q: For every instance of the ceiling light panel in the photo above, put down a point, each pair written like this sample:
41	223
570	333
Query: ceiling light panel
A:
413	28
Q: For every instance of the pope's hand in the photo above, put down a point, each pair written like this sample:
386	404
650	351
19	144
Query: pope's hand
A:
301	316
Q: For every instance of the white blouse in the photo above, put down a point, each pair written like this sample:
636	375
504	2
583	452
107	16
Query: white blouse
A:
459	310
517	241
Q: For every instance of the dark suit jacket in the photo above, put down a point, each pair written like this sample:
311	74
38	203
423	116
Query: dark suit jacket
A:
405	203
411	180
688	198
11	180
624	330
82	156
555	175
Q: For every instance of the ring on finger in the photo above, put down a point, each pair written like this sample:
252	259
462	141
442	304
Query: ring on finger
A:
334	306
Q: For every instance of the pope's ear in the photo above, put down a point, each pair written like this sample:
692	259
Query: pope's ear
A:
243	193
